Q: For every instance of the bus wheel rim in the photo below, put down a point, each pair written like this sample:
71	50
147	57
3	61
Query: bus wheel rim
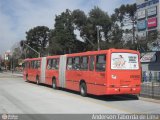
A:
53	85
82	90
37	82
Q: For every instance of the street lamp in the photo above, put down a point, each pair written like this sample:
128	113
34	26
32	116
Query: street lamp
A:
23	43
133	29
98	39
89	41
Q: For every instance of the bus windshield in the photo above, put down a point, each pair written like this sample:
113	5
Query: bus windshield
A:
124	61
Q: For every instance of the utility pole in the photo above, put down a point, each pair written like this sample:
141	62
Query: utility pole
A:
133	30
98	39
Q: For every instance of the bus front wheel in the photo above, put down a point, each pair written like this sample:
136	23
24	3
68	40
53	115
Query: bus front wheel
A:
54	85
83	89
27	78
37	80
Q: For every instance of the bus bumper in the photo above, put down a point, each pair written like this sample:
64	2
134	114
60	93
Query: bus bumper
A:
114	91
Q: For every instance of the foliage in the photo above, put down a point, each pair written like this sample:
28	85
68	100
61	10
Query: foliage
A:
88	26
62	37
37	38
115	31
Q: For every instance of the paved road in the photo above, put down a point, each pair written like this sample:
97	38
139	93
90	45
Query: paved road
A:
18	96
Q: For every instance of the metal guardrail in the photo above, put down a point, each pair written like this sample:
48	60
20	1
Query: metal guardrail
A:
150	89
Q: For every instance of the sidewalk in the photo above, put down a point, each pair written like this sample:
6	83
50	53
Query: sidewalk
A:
149	99
18	74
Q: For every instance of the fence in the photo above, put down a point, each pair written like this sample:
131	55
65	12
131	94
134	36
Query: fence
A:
150	88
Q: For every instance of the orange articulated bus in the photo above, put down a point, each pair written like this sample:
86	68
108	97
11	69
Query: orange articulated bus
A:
104	72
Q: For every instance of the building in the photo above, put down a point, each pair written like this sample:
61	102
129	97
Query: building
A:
148	17
6	59
7	54
150	66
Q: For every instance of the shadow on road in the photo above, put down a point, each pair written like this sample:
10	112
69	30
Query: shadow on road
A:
109	98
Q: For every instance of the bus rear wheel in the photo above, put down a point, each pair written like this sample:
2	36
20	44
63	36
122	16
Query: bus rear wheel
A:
54	84
27	78
37	80
83	89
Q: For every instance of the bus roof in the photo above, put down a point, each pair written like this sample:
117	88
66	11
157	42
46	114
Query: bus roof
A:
88	53
30	59
54	56
103	52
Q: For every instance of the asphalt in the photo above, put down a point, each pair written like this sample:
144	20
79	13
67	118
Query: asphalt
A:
18	96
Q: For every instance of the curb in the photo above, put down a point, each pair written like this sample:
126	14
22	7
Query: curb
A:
149	100
18	75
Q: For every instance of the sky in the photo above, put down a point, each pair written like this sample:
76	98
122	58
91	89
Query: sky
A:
18	16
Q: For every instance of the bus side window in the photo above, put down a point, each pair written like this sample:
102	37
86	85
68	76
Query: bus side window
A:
100	62
25	65
69	63
84	63
35	64
76	63
29	65
91	63
32	64
49	65
55	64
38	64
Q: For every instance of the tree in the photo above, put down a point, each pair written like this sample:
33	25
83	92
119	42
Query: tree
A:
16	55
124	17
37	38
79	19
88	26
54	47
62	38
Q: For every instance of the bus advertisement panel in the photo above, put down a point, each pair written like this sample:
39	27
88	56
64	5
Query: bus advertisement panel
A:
126	61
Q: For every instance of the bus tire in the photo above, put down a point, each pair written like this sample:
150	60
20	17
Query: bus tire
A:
83	89
37	80
136	97
27	78
54	84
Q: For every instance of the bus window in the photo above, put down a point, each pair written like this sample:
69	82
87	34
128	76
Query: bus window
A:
38	64
76	63
32	64
35	64
69	63
29	65
100	62
84	63
55	64
26	65
49	66
91	63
